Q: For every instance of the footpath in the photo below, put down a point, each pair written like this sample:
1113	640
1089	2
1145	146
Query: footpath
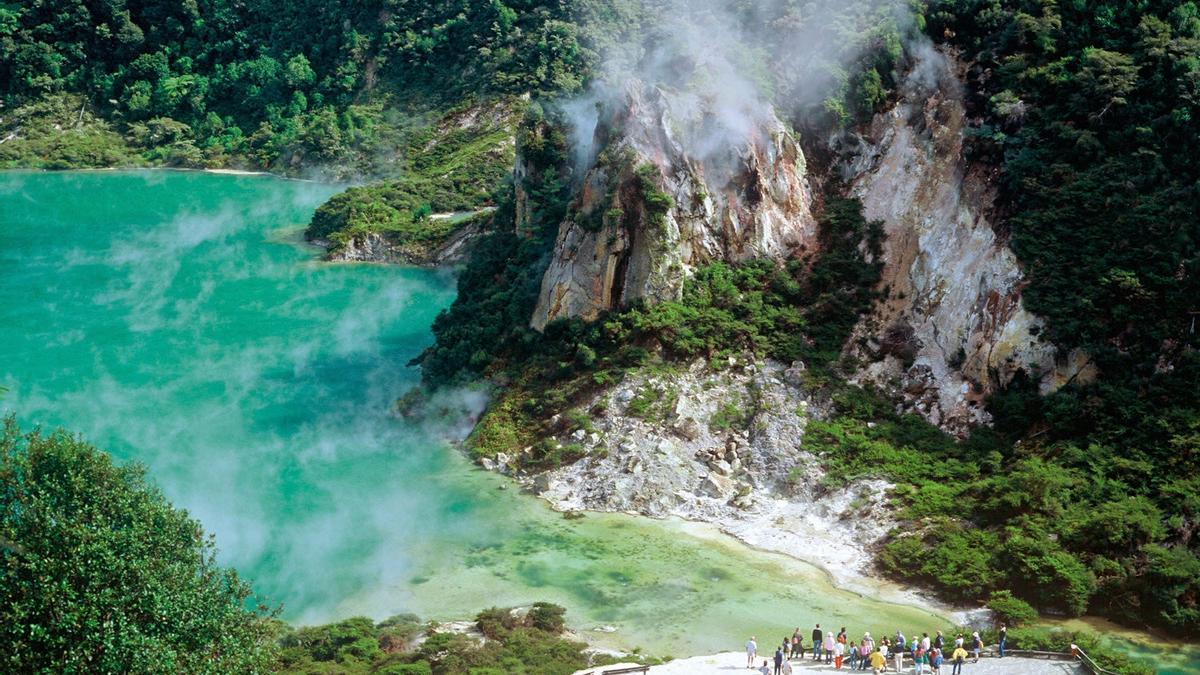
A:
732	663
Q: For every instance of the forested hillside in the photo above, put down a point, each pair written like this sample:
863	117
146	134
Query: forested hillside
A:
1086	500
273	83
1081	501
1090	109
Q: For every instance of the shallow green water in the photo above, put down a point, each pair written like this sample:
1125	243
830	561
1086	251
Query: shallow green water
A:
173	318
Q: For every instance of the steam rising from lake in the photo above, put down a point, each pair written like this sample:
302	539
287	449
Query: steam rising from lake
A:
255	385
175	319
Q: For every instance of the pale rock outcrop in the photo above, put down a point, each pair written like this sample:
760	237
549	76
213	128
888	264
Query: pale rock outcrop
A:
723	447
734	194
378	247
952	327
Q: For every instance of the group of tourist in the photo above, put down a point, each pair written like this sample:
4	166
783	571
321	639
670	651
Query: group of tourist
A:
926	654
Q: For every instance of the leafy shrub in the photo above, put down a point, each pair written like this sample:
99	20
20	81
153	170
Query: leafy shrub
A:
1010	610
728	416
547	617
90	544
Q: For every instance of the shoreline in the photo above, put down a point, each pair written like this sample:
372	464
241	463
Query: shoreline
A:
865	586
220	171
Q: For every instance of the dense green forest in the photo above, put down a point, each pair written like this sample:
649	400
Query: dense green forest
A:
277	84
99	573
1087	500
1090	110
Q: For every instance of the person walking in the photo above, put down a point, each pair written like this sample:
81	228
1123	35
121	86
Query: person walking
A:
976	645
959	657
778	660
935	663
1003	638
879	662
751	652
817	635
828	645
918	660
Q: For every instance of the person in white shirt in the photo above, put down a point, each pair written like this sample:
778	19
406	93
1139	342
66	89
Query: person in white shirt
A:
751	651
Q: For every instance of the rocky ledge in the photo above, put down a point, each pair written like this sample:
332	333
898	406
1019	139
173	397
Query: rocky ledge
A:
380	247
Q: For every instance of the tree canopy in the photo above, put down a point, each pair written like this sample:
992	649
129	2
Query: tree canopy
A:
99	573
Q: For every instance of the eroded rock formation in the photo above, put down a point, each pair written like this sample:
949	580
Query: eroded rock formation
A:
952	327
674	187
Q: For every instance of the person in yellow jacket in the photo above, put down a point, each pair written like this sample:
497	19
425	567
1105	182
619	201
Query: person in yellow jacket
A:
878	662
959	657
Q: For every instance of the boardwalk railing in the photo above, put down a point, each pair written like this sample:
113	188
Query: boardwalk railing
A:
1088	663
1076	654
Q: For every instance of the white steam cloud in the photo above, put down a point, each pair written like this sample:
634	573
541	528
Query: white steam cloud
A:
729	65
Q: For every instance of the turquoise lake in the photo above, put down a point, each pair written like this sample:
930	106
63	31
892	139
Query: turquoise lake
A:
177	319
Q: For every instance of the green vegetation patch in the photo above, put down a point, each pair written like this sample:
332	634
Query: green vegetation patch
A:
516	643
287	84
60	132
1045	521
455	165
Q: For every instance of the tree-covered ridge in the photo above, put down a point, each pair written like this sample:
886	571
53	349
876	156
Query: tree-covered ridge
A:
278	83
1089	109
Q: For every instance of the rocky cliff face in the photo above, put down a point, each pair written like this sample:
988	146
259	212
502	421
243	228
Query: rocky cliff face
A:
951	328
674	187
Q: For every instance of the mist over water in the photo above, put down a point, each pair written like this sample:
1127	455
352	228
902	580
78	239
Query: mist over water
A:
254	383
175	319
